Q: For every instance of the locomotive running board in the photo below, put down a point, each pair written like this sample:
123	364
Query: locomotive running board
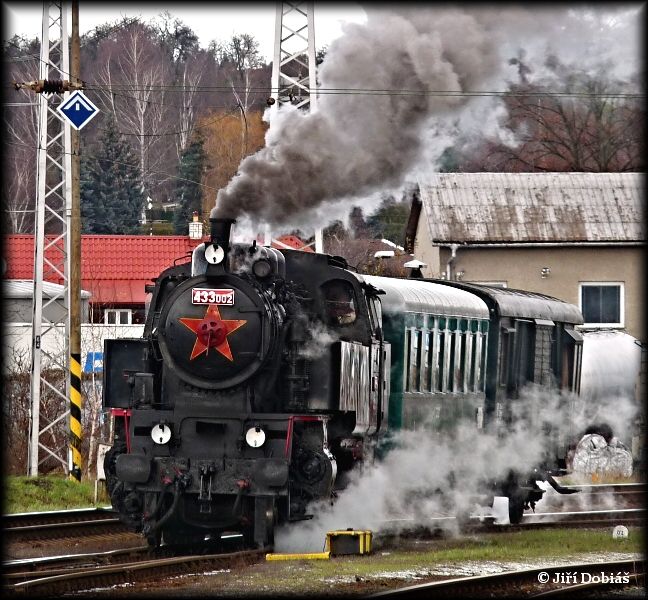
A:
560	488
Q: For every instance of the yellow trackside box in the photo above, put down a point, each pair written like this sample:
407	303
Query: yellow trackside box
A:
348	541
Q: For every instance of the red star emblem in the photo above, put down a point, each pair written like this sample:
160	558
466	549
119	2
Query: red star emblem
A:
211	332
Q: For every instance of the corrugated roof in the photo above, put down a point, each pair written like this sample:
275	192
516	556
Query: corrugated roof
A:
534	207
410	295
521	303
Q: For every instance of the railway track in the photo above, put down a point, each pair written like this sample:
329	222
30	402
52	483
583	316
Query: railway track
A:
86	572
78	572
545	582
555	520
591	496
59	523
24	527
599	518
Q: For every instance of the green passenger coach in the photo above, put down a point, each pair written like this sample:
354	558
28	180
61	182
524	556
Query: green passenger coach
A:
439	342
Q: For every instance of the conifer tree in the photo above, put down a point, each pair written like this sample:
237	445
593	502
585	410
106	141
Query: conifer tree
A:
112	198
188	192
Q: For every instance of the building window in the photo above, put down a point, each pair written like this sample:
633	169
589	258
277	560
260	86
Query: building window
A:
113	316
602	303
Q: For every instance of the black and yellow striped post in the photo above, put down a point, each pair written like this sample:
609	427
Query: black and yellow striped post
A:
75	272
75	416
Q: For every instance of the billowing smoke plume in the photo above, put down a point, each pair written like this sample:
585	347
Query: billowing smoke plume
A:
358	143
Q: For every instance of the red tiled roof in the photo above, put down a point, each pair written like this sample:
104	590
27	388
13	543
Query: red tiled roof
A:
114	268
292	241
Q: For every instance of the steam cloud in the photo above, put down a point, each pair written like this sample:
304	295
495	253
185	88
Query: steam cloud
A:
356	144
429	475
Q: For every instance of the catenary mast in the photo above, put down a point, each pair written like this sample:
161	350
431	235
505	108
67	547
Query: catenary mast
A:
293	66
50	317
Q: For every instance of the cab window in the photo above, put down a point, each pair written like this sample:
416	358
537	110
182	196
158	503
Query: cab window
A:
339	302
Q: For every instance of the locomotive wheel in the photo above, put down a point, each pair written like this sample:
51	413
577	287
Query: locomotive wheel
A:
463	519
516	506
261	533
110	460
154	540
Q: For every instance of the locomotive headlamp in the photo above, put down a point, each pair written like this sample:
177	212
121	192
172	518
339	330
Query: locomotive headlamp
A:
161	433
255	437
262	268
214	254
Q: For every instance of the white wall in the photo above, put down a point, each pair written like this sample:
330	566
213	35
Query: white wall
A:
17	341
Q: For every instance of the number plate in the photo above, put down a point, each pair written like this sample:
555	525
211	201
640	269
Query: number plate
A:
211	296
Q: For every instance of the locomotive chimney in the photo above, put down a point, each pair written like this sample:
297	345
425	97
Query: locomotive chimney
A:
220	232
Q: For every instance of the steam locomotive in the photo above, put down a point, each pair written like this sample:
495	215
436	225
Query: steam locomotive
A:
264	377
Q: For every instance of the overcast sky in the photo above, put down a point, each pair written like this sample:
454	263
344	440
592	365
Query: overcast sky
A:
214	20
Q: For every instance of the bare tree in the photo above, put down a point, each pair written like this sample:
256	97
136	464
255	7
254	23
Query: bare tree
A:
572	121
242	54
19	189
21	131
134	75
190	77
16	408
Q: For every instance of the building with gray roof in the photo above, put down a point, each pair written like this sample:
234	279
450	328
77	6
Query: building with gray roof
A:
580	237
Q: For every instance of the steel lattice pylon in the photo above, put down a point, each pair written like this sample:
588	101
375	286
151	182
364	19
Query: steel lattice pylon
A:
50	318
294	68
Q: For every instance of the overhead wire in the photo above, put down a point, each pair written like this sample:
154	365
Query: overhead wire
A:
172	88
343	91
179	88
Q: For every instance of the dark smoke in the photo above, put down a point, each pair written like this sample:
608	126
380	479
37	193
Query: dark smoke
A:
357	144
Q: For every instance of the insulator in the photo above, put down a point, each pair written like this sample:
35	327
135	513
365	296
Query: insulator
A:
52	86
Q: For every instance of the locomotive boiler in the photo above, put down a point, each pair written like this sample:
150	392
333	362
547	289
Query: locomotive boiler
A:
264	377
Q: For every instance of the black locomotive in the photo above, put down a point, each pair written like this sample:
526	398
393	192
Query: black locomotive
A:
264	377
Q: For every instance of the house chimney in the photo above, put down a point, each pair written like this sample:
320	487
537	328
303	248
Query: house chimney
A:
195	228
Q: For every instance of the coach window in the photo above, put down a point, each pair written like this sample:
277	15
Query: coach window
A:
433	354
444	340
339	301
415	360
602	303
460	356
467	357
507	337
448	347
570	349
375	313
408	358
426	350
483	344
474	356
